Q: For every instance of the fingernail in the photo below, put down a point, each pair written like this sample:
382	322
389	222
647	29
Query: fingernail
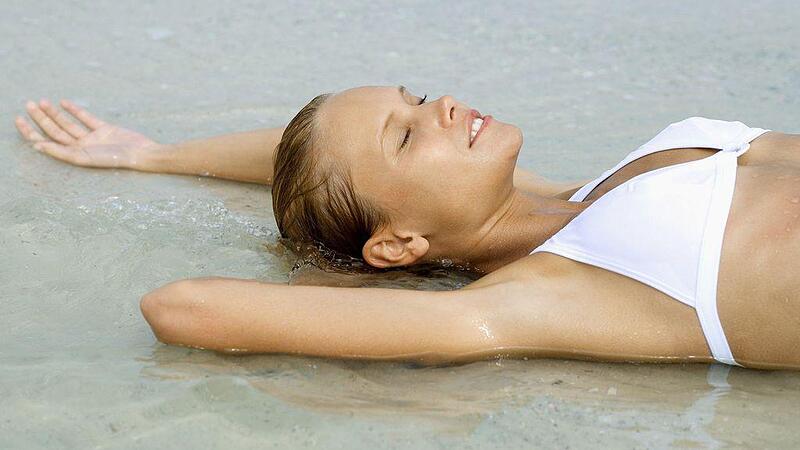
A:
30	105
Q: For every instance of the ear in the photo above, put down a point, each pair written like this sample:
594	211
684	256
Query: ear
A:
388	248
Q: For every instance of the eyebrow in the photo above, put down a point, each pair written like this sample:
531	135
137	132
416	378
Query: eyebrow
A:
402	90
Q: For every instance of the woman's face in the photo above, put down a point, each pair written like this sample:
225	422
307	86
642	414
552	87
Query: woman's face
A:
417	161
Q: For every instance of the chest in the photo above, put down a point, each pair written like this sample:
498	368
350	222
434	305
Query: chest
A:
773	155
648	163
762	233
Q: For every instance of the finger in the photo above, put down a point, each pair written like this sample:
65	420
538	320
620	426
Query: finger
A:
63	120
84	116
58	151
45	123
27	131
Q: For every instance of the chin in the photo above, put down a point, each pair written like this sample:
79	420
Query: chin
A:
501	153
517	138
511	146
511	142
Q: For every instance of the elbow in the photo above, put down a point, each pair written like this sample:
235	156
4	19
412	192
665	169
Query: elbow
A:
170	311
153	307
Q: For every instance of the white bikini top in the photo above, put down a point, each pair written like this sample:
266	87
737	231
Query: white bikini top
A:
665	227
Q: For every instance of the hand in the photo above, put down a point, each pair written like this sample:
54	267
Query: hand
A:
95	144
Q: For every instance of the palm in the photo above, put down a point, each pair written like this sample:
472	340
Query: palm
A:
93	143
110	146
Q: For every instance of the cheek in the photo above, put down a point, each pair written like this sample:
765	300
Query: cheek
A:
434	174
453	173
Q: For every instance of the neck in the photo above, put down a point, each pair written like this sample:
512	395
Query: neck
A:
523	223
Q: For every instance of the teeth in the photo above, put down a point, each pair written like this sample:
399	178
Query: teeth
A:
476	125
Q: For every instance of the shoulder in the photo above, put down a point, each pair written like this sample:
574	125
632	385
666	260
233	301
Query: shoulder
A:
548	306
528	270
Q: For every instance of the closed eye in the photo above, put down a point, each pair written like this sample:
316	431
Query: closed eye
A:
408	130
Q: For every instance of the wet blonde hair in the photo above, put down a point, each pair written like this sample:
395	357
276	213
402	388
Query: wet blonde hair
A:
312	194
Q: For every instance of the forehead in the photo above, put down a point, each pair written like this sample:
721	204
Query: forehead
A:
353	119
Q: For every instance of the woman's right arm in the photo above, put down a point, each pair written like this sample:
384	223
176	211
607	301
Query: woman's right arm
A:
91	142
535	307
249	316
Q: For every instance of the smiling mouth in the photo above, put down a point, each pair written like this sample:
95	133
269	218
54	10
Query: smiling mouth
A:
478	125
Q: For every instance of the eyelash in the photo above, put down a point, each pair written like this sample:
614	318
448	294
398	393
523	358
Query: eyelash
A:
408	131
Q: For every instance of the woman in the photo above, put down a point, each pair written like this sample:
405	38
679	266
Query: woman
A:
630	267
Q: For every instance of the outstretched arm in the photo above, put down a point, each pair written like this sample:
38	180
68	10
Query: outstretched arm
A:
82	139
245	156
235	315
538	306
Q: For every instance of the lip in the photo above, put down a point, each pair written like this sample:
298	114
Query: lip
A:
486	121
473	114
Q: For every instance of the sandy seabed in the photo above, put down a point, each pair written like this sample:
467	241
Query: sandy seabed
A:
587	82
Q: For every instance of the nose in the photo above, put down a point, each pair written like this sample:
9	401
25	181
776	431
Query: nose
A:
447	111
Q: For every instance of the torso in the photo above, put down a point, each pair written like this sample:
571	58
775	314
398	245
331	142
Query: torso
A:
758	294
759	287
761	245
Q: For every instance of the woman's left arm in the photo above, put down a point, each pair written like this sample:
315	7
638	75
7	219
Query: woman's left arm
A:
81	139
245	156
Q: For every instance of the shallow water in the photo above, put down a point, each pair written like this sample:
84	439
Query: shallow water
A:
586	81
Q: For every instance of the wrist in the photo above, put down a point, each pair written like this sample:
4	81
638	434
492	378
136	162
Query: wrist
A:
151	158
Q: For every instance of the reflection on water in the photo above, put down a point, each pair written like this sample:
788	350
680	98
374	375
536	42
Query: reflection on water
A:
702	412
669	404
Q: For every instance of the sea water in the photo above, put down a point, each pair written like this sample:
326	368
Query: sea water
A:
586	81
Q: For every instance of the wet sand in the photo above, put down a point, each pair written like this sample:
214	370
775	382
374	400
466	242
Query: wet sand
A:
587	82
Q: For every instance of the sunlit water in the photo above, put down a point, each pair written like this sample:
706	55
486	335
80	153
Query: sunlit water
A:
587	82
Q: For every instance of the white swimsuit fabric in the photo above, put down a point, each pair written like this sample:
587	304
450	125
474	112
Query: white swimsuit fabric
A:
665	227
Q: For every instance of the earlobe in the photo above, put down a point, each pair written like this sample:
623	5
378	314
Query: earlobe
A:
387	249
